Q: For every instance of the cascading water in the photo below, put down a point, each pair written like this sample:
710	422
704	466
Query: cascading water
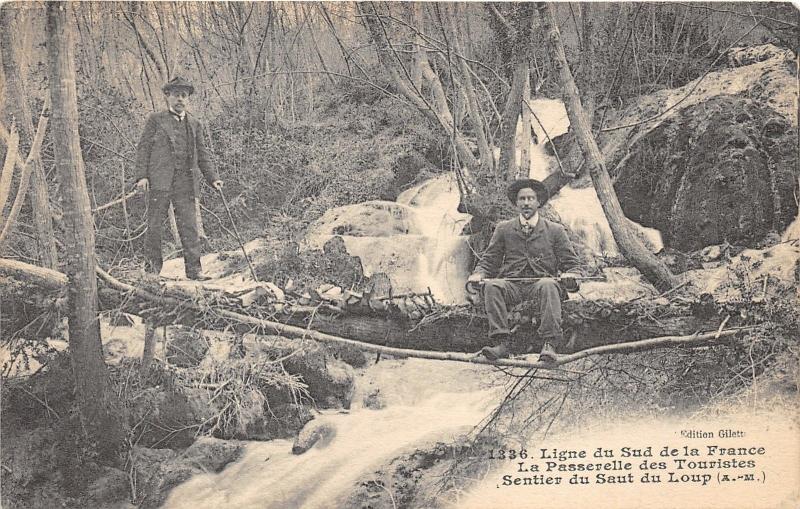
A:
425	401
416	241
578	207
442	266
549	121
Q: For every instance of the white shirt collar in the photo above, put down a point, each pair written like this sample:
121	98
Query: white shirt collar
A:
180	115
532	222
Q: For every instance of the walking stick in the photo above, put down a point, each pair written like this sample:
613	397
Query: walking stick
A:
236	232
472	287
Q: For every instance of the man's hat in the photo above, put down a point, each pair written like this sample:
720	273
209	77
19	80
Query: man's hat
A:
541	191
178	83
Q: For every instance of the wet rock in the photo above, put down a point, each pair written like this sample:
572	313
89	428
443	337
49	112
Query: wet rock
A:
156	474
329	381
720	171
285	421
185	347
160	470
310	268
368	219
112	485
374	400
348	354
738	57
413	478
318	432
711	253
170	418
677	261
212	454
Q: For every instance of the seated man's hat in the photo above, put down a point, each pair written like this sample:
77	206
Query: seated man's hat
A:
178	83
541	191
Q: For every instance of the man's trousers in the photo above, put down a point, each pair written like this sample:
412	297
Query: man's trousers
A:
500	295
182	198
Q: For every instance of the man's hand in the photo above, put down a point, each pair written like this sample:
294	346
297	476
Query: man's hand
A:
142	184
475	277
473	288
217	184
570	281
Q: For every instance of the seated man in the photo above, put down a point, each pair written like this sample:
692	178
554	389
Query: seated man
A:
527	246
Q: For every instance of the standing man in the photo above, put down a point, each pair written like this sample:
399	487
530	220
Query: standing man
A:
170	148
528	246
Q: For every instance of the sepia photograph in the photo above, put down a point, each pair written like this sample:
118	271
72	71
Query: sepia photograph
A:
383	255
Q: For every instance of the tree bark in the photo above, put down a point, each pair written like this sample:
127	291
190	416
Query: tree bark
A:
446	338
148	353
632	248
520	26
24	167
18	109
86	351
458	328
508	137
587	59
7	175
524	169
389	60
417	21
475	117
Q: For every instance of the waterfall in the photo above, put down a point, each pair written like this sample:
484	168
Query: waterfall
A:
416	240
578	207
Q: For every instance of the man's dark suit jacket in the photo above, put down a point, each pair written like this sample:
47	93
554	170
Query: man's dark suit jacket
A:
543	252
155	157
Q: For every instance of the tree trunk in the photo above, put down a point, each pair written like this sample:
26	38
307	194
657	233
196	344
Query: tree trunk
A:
24	167
86	351
400	77
417	21
587	60
507	163
18	109
632	248
524	169
589	323
148	353
7	175
473	107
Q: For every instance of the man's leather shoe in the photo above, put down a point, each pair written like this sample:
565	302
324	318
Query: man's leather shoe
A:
197	276
494	353
548	353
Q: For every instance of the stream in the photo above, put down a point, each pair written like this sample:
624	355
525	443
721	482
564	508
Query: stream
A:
416	241
424	401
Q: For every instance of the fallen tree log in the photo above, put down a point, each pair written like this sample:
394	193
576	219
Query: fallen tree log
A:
442	329
270	327
34	275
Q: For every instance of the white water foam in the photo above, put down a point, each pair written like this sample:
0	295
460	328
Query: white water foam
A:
426	401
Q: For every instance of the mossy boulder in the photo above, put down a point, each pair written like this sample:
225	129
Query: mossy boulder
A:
329	381
719	171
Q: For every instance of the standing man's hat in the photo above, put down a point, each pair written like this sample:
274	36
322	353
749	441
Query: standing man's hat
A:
541	191
178	83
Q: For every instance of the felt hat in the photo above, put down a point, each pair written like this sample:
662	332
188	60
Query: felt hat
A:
178	83
541	191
